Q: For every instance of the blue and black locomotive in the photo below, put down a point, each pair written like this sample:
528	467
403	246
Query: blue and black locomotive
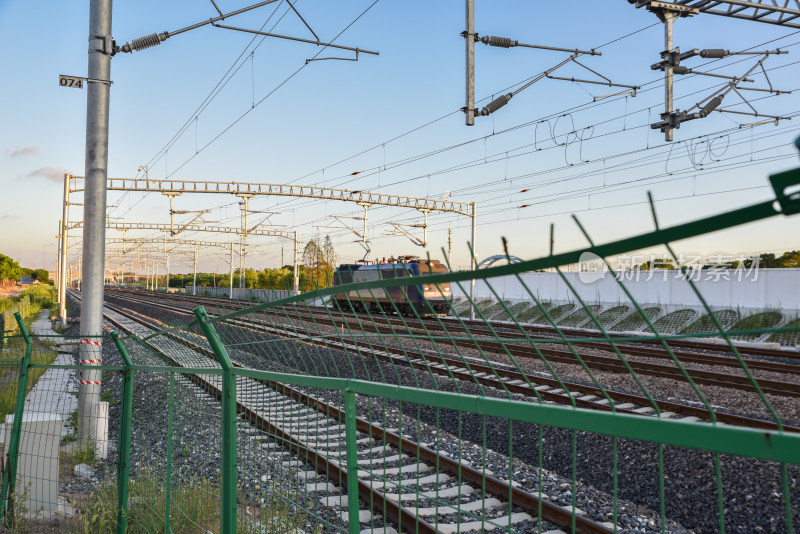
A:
424	298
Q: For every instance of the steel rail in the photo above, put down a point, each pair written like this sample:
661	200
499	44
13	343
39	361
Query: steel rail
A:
576	390
610	364
330	469
628	348
401	515
699	345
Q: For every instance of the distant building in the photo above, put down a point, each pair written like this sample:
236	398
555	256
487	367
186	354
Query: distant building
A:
25	280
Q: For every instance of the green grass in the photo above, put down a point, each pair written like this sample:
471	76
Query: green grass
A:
29	303
515	310
671	323
557	313
790	338
706	323
85	453
480	304
533	314
581	316
494	308
635	322
42	353
611	316
757	321
194	508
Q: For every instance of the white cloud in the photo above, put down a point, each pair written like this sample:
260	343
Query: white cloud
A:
22	152
49	172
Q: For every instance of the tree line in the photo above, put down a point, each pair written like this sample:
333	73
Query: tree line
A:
318	261
10	269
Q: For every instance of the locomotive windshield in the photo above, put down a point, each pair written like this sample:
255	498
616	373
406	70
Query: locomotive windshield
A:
431	267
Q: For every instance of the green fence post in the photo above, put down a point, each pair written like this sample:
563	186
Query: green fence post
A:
10	474
124	447
228	456
352	461
168	494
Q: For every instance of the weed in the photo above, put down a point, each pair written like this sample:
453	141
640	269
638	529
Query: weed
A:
100	515
86	453
194	507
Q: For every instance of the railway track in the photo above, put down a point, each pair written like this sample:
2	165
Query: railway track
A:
706	348
693	351
501	377
400	471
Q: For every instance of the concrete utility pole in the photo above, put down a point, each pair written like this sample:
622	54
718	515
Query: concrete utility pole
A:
469	37
194	277
450	247
668	72
94	216
668	13
63	250
58	262
296	274
172	210
230	290
243	244
474	260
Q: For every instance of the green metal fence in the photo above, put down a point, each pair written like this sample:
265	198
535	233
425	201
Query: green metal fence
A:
349	410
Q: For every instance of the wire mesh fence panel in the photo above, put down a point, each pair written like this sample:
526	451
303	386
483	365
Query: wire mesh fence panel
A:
55	478
175	433
706	323
757	322
392	414
639	320
377	406
790	337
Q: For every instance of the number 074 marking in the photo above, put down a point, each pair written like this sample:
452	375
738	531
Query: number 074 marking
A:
70	81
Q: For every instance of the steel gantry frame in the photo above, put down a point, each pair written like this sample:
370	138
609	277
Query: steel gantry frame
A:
138	242
472	37
101	47
166	228
247	190
766	11
146	185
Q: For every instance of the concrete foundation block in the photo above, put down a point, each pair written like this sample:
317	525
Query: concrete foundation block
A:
37	468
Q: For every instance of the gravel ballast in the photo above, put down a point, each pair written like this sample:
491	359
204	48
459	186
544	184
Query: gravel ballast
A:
752	492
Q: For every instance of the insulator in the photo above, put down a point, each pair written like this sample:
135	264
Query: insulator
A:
714	53
711	106
496	104
143	42
680	69
502	42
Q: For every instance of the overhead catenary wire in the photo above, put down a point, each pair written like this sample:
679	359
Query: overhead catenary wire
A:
270	93
223	81
504	208
348	179
392	165
366	175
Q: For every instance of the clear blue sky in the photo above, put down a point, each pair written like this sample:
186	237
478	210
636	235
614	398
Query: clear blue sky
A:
331	110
